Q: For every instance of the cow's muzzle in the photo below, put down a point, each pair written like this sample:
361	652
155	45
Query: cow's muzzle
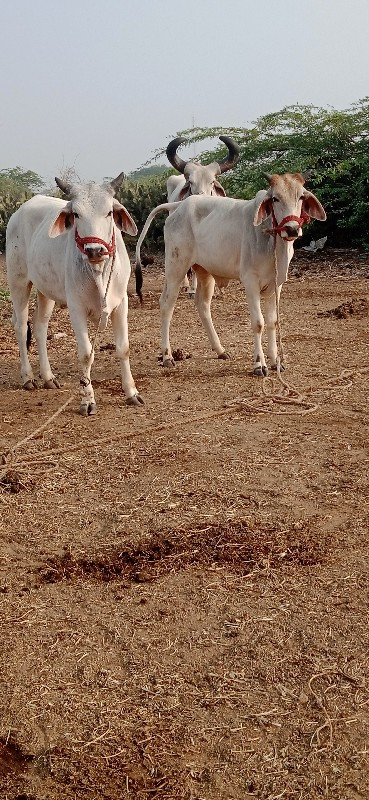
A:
287	231
95	249
290	232
96	255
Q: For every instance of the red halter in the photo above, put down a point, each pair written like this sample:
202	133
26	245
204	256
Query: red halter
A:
81	242
279	228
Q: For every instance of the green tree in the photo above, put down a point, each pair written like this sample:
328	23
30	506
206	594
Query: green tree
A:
143	173
332	145
17	180
140	197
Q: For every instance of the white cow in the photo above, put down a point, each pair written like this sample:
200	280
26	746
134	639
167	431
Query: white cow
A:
73	254
233	239
198	179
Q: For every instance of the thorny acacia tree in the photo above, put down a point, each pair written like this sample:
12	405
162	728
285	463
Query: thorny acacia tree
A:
332	145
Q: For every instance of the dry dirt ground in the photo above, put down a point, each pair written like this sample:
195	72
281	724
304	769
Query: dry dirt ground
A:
184	588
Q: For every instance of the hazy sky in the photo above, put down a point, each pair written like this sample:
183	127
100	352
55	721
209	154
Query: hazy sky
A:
102	85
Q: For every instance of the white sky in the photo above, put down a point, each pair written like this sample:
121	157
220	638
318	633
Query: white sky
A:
101	85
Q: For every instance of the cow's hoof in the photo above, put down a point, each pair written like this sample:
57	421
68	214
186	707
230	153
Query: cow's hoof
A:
261	372
52	384
224	356
168	363
88	410
29	386
274	368
135	400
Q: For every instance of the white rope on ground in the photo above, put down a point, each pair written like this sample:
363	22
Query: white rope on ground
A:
256	406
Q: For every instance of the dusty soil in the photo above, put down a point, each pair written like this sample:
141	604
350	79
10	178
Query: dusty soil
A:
184	588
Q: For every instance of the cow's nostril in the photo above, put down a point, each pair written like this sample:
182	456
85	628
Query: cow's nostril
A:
94	252
291	230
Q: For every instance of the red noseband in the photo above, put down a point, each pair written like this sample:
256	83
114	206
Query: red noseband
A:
277	229
81	242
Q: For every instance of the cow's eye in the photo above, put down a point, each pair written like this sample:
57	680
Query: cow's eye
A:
302	197
76	216
275	199
110	213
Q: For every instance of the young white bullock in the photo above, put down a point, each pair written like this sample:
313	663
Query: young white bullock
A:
233	239
73	253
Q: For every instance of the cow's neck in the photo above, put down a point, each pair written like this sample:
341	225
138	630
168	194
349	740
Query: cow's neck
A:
284	252
102	280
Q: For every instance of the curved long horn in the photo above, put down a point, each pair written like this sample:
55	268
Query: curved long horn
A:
64	187
233	153
172	156
117	182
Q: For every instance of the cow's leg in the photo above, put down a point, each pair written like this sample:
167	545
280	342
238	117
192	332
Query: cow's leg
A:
119	321
43	311
86	357
257	325
203	296
20	297
271	325
174	274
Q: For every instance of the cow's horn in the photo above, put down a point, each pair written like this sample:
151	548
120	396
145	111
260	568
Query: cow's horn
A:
117	182
233	153
268	176
64	187
172	156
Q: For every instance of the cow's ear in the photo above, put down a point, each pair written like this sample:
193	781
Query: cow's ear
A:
185	191
62	221
123	219
219	189
312	206
263	210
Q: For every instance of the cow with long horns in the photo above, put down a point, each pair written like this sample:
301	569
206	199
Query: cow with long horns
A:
233	240
72	252
198	179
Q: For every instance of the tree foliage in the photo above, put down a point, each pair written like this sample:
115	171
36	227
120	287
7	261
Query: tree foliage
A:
15	180
144	173
332	145
140	197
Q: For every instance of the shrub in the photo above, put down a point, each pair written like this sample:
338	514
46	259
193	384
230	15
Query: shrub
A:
8	204
140	197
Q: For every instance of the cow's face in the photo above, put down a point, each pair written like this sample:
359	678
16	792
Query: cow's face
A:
93	213
201	180
287	197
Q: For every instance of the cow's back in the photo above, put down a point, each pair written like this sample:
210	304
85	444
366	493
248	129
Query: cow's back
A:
30	253
30	217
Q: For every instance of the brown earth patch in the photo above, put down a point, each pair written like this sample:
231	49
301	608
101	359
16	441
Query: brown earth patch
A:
12	758
239	548
184	589
351	308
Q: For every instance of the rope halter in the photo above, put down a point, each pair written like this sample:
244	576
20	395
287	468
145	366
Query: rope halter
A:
278	228
81	243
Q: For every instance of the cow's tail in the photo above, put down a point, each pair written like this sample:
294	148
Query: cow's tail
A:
29	335
138	268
